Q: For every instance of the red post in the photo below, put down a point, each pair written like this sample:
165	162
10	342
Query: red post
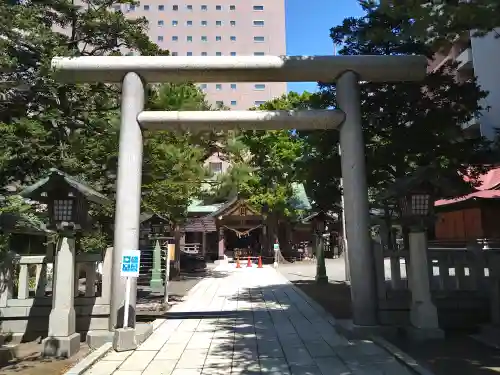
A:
249	263
238	263
260	262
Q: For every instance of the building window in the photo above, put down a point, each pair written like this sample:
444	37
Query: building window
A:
204	7
258	23
175	54
175	7
218	87
129	54
258	53
189	23
218	7
131	8
233	86
243	211
189	53
219	103
146	7
160	39
218	53
215	167
189	38
204	54
258	7
233	53
189	7
161	23
259	102
204	23
175	38
258	39
218	23
218	38
175	23
232	7
232	23
203	86
259	86
204	39
161	7
233	102
233	38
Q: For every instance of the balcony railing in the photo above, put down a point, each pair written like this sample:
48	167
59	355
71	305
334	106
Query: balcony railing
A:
464	60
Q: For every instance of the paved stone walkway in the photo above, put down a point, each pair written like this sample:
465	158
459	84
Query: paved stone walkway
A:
249	321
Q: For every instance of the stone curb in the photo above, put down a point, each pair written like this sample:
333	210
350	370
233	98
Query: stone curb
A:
401	356
485	341
315	305
88	361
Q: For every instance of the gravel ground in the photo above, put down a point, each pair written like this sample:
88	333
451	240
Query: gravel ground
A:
30	361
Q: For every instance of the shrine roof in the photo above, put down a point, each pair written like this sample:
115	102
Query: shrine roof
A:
197	206
300	201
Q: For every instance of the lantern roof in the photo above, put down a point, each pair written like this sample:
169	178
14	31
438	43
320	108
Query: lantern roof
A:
146	216
321	215
425	179
52	181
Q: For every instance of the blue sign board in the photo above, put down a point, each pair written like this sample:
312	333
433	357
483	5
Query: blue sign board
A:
131	259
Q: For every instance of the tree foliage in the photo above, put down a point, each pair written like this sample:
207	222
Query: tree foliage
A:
442	22
405	125
74	127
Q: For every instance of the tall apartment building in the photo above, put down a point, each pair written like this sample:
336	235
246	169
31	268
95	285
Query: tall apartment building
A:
480	57
219	28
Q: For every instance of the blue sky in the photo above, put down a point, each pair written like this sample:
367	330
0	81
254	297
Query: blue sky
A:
307	28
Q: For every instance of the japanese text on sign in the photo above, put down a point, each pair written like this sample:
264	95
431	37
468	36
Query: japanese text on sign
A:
131	260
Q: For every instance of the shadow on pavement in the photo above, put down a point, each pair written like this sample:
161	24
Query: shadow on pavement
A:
275	330
456	354
334	297
150	301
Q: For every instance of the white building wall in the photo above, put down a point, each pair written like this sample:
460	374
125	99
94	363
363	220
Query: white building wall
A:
486	60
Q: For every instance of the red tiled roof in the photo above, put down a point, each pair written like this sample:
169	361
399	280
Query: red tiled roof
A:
488	189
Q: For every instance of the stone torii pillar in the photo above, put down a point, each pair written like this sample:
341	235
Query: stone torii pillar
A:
356	210
348	69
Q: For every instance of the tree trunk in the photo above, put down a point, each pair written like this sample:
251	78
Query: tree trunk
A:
283	227
177	255
388	229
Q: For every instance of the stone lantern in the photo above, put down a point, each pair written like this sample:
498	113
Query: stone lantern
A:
319	221
158	227
415	195
67	202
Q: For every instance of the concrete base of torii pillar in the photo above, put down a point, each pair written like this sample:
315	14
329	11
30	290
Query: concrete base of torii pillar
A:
423	313
63	341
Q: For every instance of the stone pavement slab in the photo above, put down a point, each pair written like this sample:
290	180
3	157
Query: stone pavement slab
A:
252	321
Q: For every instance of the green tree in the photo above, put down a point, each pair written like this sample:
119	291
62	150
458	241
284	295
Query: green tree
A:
410	124
405	125
45	124
442	22
55	122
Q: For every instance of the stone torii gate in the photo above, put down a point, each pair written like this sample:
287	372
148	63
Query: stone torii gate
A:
133	72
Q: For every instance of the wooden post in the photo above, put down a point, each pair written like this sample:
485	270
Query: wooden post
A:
204	243
222	245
